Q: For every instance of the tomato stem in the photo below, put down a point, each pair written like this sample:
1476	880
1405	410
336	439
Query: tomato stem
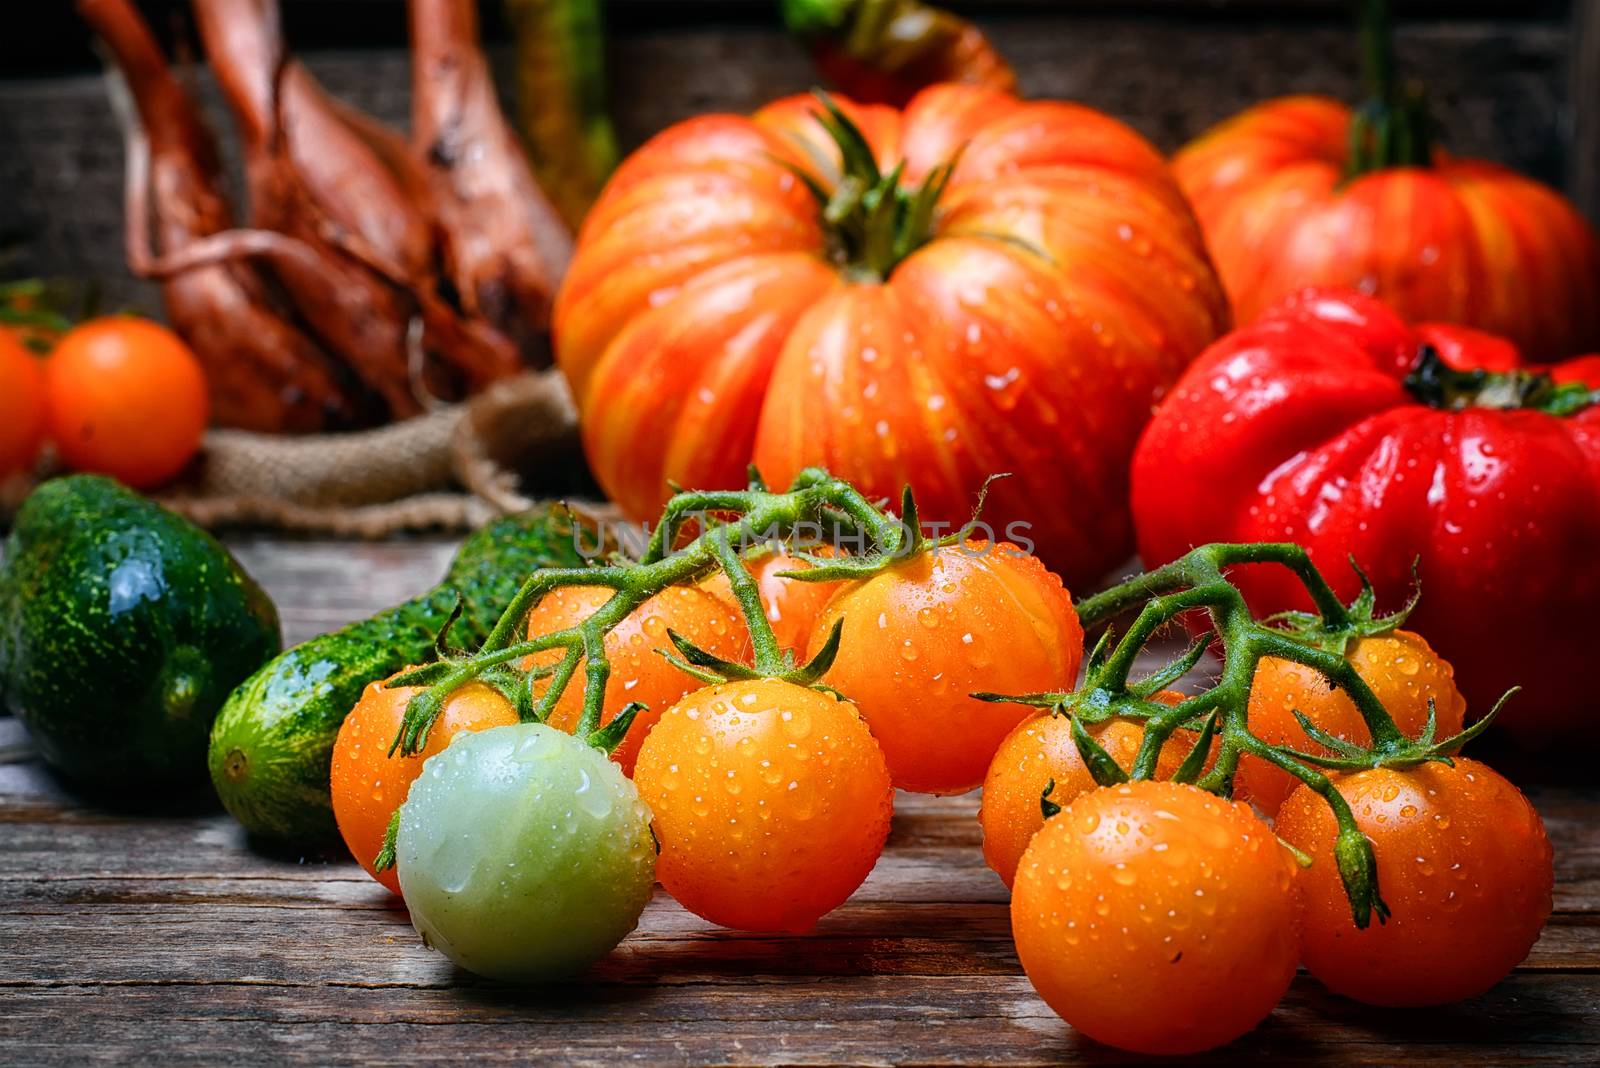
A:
1438	385
872	220
1219	716
732	524
1393	128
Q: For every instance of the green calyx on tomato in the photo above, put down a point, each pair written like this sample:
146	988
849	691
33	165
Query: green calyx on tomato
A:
872	221
1196	581
1394	128
750	519
1438	385
815	501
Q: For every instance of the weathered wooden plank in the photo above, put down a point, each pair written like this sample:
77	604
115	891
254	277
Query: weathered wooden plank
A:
1584	171
885	1020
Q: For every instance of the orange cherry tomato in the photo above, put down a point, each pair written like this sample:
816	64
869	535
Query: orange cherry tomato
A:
22	405
638	671
127	399
368	784
791	607
922	636
1463	863
1401	668
771	801
1041	751
1155	917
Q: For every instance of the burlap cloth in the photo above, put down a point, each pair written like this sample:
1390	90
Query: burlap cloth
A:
452	469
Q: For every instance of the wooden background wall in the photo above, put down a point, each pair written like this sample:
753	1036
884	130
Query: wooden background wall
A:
1518	83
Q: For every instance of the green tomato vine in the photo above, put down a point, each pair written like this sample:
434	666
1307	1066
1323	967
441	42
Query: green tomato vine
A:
734	524
1219	715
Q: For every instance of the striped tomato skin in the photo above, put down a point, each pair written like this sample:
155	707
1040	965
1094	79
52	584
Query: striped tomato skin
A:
706	322
1462	241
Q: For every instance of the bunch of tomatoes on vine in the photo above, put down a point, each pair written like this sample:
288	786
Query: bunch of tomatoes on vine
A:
731	713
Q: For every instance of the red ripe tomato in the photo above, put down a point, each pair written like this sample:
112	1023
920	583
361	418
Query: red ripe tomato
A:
771	803
1040	751
791	606
127	399
1463	240
1305	427
368	784
638	670
22	405
1463	863
1056	292
1403	672
922	636
1155	917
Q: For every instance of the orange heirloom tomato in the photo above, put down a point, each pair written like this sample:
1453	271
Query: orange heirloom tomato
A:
771	803
1458	240
22	405
1026	322
127	399
1155	917
1041	751
923	635
791	606
638	671
1463	863
368	784
1400	667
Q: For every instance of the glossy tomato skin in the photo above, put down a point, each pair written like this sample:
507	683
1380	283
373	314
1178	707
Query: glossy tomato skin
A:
1157	918
922	636
1403	672
1463	863
127	399
702	314
638	671
1299	428
368	784
772	803
22	405
791	605
524	854
1040	751
1462	241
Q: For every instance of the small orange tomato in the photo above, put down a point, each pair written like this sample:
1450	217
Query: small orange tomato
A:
368	784
771	801
127	399
22	405
638	671
1463	864
1401	668
1041	751
791	606
923	635
1155	917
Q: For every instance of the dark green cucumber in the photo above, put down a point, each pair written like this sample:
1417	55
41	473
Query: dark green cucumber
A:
272	744
123	628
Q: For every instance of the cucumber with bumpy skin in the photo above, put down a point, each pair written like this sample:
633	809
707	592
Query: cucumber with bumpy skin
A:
123	627
272	743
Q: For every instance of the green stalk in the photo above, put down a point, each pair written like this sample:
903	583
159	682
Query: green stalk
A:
759	515
1393	127
1219	716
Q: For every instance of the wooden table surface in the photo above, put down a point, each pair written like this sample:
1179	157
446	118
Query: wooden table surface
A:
168	937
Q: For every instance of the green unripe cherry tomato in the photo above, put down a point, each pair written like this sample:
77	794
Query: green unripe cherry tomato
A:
524	854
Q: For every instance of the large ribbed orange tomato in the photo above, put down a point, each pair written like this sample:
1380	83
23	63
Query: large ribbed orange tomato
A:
1456	240
1020	317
